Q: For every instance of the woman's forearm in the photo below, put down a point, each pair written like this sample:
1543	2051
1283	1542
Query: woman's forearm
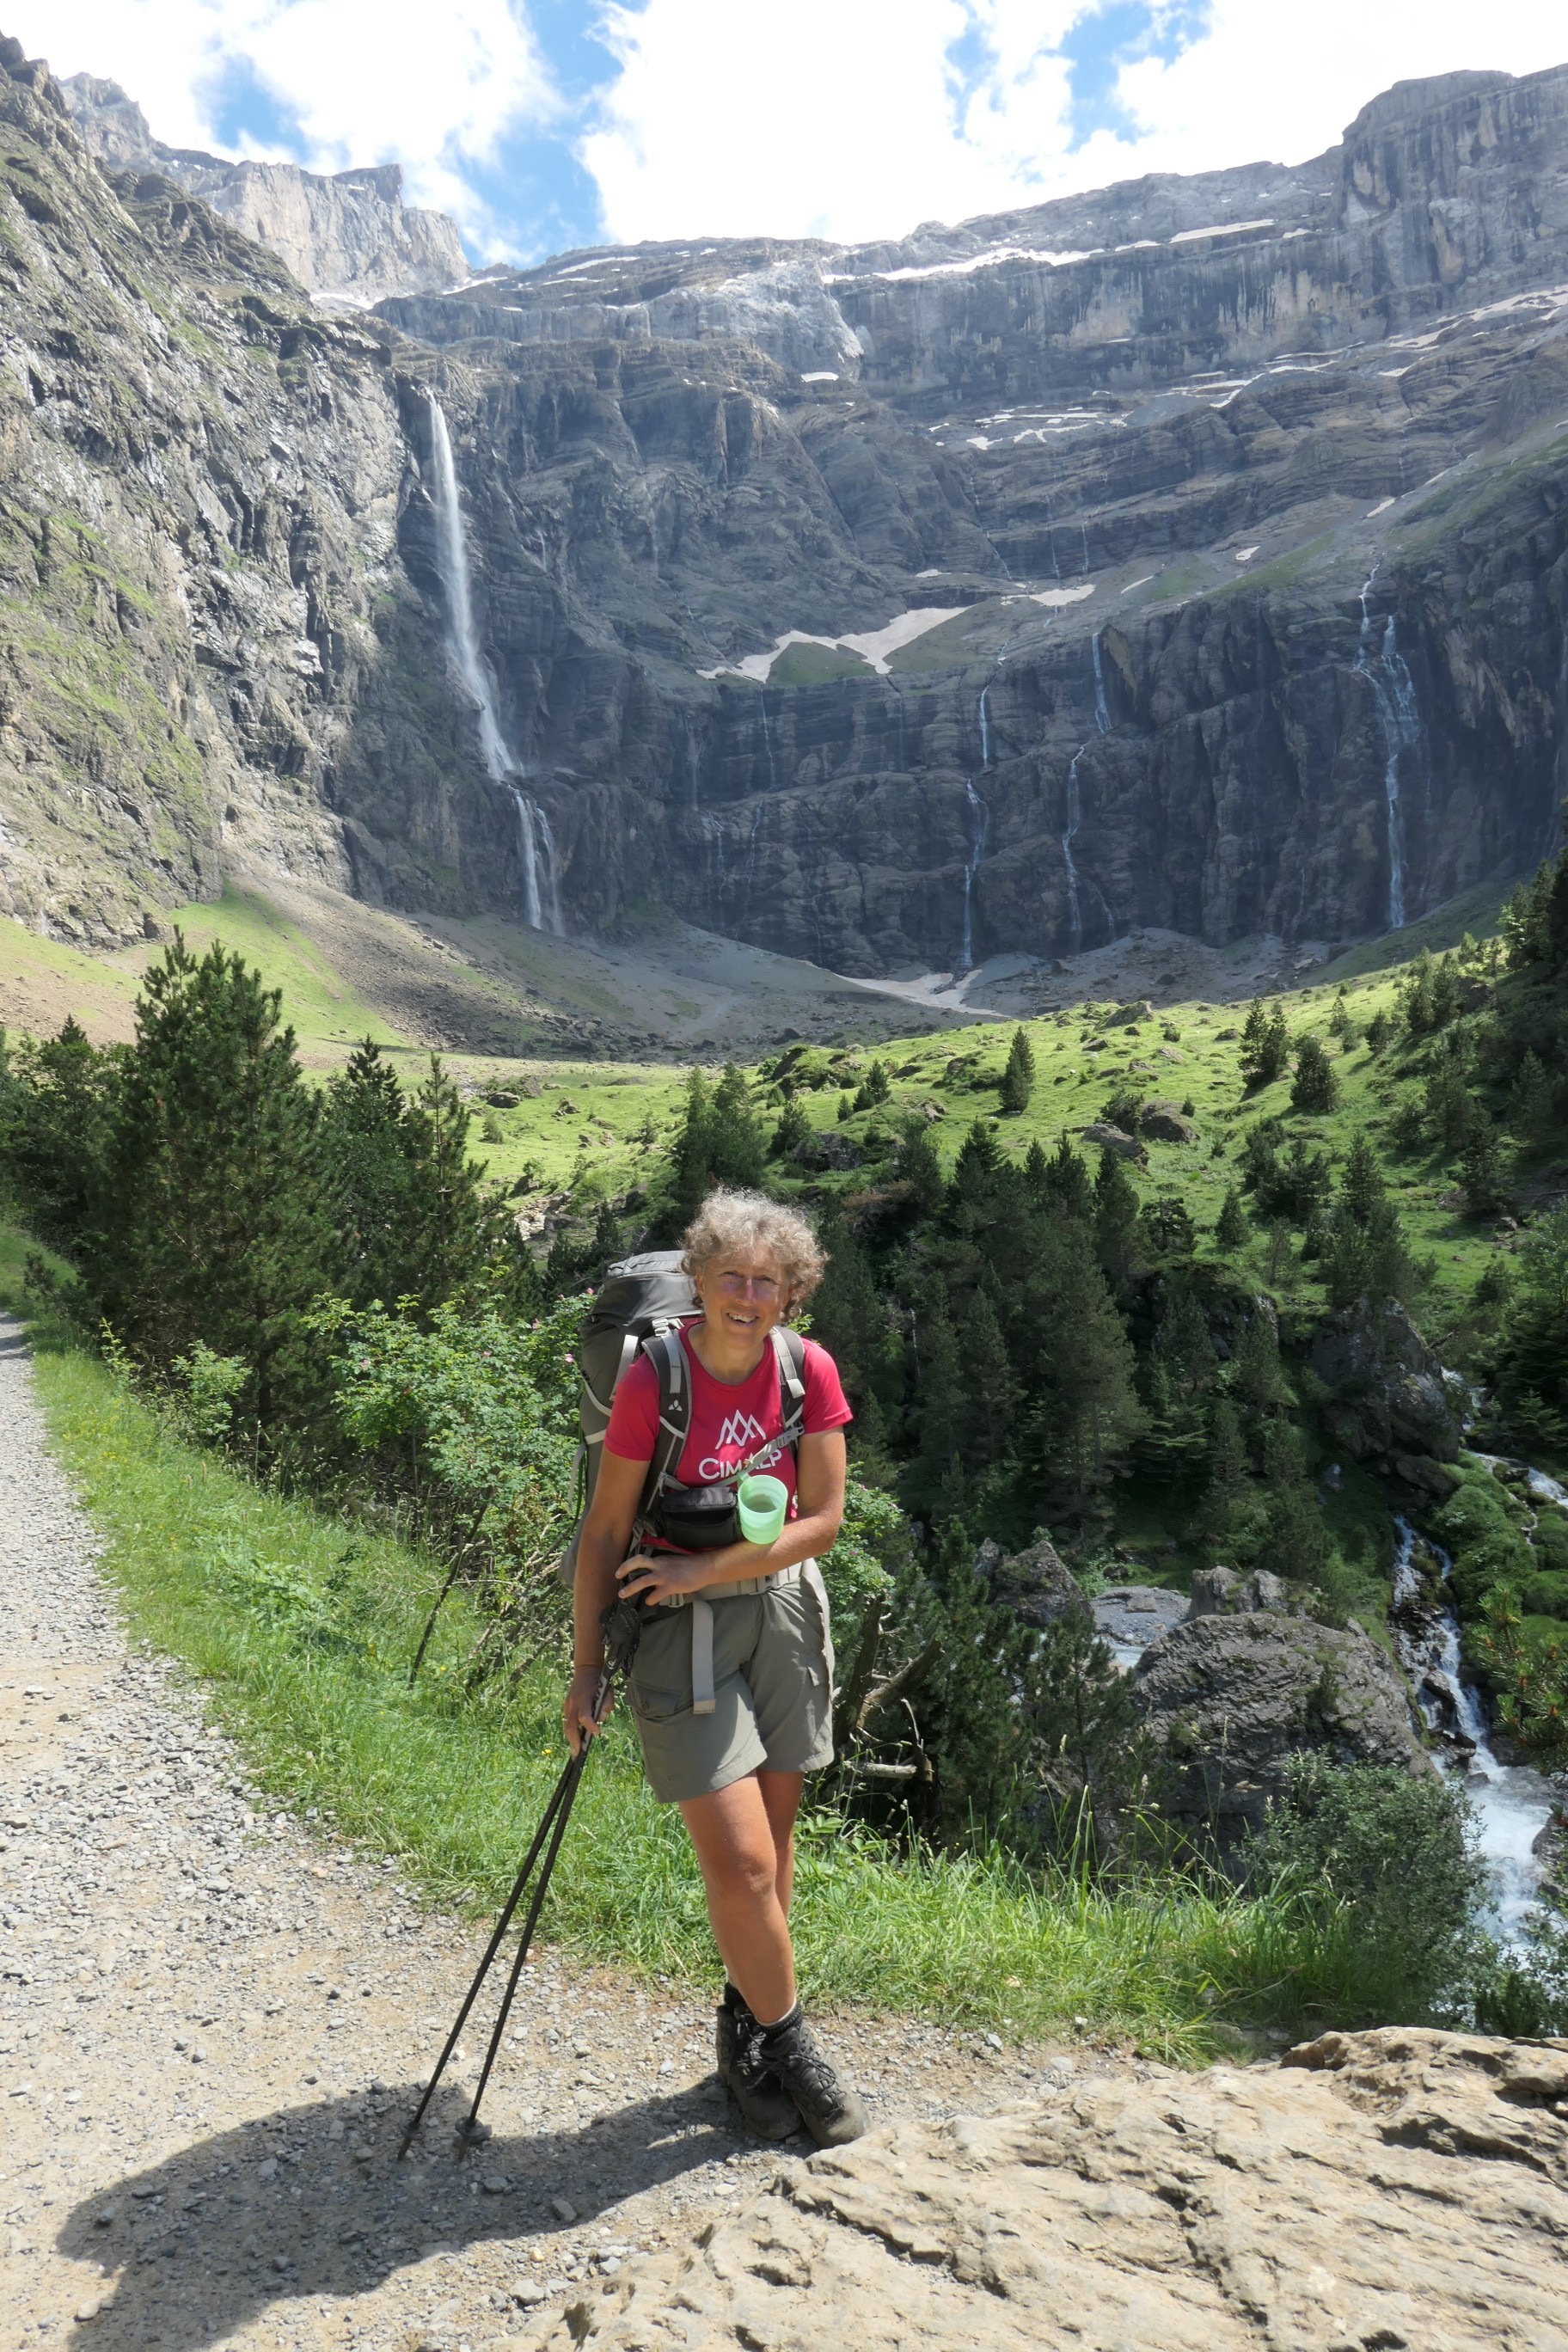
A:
598	1557
804	1539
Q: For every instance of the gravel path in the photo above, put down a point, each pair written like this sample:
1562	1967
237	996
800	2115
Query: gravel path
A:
214	2019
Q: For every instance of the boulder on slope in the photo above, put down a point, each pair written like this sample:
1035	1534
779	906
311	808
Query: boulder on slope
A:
1229	1697
1391	1396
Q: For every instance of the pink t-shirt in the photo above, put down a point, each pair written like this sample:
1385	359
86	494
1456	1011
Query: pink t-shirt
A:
728	1423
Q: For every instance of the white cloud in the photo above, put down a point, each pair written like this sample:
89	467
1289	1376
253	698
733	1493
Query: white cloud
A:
844	119
368	80
841	118
826	117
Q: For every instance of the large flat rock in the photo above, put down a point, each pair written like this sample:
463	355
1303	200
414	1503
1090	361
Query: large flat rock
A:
1377	2190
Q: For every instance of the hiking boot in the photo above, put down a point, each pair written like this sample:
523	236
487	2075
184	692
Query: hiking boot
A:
745	2074
831	2112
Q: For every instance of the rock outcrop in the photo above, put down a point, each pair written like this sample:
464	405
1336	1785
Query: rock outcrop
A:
1398	2188
1390	1400
347	235
1036	1584
1229	1697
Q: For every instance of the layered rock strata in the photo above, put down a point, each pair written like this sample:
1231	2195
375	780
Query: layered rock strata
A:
1189	557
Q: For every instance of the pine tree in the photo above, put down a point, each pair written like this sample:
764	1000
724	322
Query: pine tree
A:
213	1225
1530	1110
875	1088
62	1102
1068	1182
1081	1383
1361	1187
1116	1234
736	1148
692	1155
1232	1231
939	1399
1265	1045
1379	1030
1316	1088
1018	1078
793	1128
1484	1168
987	1391
921	1170
975	1172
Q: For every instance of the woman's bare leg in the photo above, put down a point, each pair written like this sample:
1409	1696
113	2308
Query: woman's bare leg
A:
744	1839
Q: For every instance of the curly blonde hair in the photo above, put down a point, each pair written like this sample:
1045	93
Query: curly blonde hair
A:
730	1221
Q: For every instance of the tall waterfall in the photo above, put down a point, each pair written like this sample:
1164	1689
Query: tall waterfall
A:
977	824
984	731
1393	692
535	842
1101	710
1075	802
1075	818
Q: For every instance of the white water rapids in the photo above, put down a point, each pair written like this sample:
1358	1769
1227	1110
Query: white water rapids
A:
536	844
1512	1804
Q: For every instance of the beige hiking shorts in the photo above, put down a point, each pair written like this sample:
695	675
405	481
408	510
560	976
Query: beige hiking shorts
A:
773	1692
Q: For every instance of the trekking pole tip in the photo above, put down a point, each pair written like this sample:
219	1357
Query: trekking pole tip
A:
472	2133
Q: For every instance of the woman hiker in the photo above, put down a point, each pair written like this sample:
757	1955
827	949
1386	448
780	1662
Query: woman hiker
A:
729	1734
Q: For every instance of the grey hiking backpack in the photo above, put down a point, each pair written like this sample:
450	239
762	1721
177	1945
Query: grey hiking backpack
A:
639	1310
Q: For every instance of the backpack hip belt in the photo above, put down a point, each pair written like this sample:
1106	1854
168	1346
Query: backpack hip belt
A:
804	1572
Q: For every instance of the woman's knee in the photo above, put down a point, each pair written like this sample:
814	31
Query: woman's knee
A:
747	1873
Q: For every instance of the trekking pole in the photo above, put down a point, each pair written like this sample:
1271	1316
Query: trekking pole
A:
623	1626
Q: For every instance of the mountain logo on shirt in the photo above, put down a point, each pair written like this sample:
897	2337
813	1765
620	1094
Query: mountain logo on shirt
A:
744	1431
742	1434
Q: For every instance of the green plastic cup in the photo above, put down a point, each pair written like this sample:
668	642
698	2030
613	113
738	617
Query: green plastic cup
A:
762	1505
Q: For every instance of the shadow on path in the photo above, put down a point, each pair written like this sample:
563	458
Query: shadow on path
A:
284	2207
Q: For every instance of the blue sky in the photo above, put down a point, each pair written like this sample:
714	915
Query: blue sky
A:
545	123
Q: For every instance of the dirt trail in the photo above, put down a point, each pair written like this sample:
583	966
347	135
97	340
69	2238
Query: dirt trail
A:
214	2019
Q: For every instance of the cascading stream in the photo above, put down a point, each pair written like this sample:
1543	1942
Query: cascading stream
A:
1512	1804
536	844
1393	692
1074	801
977	823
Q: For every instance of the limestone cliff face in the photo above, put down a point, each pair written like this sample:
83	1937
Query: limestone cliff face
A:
1248	490
207	641
1193	553
348	237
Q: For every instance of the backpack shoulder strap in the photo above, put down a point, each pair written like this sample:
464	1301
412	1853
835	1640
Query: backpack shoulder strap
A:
668	1357
789	1351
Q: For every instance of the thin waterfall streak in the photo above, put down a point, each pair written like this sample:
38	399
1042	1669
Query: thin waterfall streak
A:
976	825
984	731
1084	529
528	858
452	561
552	885
1394	698
1102	708
1075	818
768	741
750	859
536	843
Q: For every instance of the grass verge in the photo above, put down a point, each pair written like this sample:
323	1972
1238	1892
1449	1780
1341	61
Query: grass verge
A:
299	1626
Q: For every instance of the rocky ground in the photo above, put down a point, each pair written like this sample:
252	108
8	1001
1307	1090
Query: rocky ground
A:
1393	2191
214	2020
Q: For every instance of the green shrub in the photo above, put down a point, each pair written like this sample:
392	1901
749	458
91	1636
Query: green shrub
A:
1397	1849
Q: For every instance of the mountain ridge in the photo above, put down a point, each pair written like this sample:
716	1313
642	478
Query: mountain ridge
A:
1228	637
